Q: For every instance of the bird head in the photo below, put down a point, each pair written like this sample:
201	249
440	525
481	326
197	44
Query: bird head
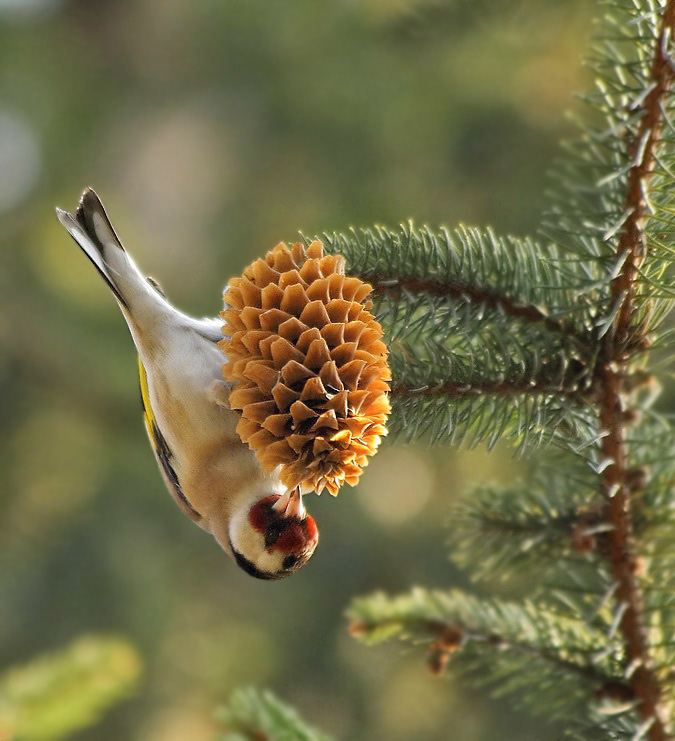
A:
274	537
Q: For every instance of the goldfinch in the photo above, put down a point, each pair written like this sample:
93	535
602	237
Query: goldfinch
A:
211	474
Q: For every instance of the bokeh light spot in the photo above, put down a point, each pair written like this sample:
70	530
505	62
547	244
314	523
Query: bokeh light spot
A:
21	9
20	159
397	485
57	468
63	269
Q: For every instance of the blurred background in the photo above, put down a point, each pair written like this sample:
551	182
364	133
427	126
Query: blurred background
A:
213	130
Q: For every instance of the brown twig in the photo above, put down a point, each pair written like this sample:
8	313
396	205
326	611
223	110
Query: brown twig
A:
451	637
456	390
474	294
617	345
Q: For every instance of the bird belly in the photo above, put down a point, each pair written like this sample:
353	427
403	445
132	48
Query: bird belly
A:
179	379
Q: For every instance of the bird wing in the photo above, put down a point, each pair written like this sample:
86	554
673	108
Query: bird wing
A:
162	451
182	387
210	329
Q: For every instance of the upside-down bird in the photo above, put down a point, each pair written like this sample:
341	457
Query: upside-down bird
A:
211	474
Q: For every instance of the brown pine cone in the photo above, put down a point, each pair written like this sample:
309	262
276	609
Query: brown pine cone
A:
309	367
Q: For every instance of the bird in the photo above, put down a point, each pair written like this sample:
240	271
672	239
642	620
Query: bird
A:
211	474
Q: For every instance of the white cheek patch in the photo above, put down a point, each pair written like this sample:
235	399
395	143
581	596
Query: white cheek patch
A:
251	544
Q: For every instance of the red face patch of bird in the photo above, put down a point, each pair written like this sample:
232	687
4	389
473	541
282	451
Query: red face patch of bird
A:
309	367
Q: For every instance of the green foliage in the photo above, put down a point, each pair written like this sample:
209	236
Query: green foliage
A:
255	715
594	177
495	338
541	526
470	258
479	353
60	693
553	662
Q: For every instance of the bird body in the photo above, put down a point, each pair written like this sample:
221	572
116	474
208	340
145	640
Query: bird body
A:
213	477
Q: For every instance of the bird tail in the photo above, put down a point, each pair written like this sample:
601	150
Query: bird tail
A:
93	232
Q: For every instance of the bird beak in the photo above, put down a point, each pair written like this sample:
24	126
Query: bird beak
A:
290	505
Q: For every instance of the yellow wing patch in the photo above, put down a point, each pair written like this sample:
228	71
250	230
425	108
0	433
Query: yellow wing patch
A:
148	416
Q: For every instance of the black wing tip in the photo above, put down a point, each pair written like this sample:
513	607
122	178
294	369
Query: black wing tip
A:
89	197
89	206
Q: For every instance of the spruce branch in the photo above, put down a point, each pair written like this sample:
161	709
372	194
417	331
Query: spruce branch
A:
505	274
540	527
517	648
476	294
616	344
59	693
494	337
257	715
458	385
451	389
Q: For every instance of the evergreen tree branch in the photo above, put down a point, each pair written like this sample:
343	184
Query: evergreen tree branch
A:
453	389
255	715
513	277
478	330
485	385
492	337
59	693
384	284
539	527
519	648
616	354
444	638
642	153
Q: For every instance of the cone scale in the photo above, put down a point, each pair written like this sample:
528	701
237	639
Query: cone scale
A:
308	367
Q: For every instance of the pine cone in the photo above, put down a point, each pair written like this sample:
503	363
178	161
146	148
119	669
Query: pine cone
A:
309	367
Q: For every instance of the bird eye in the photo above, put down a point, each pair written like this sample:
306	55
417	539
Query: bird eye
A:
290	561
273	532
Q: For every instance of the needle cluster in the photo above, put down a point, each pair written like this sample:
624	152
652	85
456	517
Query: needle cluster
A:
562	342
